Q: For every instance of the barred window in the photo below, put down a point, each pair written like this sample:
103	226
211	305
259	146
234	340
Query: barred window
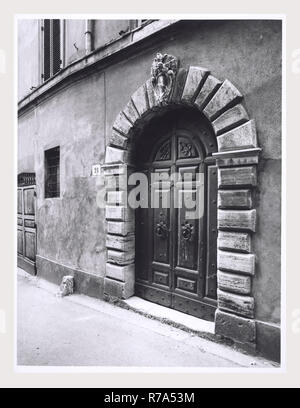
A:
52	187
51	48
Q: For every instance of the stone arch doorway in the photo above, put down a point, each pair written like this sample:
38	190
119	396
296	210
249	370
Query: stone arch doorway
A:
176	250
236	159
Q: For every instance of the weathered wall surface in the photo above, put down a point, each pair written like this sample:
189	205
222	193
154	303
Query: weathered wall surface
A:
248	53
71	227
107	30
28	56
75	40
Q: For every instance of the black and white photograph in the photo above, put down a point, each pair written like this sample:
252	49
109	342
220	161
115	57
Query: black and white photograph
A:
149	192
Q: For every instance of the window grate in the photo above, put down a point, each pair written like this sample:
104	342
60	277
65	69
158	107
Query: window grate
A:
52	162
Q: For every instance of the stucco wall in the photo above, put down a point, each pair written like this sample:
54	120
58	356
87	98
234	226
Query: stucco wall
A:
70	228
107	30
78	118
74	40
28	56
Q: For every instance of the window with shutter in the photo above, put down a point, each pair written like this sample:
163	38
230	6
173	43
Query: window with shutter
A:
52	47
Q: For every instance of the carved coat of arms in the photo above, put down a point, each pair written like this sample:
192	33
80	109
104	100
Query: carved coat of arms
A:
163	71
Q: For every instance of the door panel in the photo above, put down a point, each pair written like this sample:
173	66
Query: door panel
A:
20	241
187	230
176	240
30	245
211	267
29	201
26	229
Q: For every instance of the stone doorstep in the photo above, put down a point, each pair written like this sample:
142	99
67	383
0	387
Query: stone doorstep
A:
172	316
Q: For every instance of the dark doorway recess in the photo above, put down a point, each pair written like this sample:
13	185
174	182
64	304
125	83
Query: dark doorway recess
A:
175	251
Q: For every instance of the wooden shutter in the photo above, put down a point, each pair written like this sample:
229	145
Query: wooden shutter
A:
47	70
55	46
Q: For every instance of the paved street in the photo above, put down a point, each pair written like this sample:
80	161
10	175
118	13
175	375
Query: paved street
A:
81	331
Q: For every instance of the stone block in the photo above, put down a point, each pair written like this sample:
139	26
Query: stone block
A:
236	241
209	88
241	137
179	85
235	283
120	243
116	197
122	124
239	304
151	95
131	112
195	78
121	273
234	261
237	220
116	182
237	328
115	155
140	100
67	286
119	257
120	227
114	169
235	199
225	96
118	140
237	176
120	213
117	289
229	119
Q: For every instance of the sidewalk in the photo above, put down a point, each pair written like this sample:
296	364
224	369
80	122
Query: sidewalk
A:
80	331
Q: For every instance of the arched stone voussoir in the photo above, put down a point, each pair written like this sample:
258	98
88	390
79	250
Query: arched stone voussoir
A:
207	91
130	112
241	137
219	102
195	78
122	124
225	97
140	100
230	119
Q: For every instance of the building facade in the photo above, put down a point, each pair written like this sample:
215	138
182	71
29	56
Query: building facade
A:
100	101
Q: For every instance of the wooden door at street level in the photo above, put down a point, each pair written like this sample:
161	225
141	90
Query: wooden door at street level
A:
176	240
26	242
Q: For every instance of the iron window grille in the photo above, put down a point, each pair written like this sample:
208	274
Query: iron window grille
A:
52	171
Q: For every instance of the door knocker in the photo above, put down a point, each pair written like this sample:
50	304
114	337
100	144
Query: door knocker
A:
187	231
161	229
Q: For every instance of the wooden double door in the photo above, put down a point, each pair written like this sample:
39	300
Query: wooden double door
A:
26	239
176	235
